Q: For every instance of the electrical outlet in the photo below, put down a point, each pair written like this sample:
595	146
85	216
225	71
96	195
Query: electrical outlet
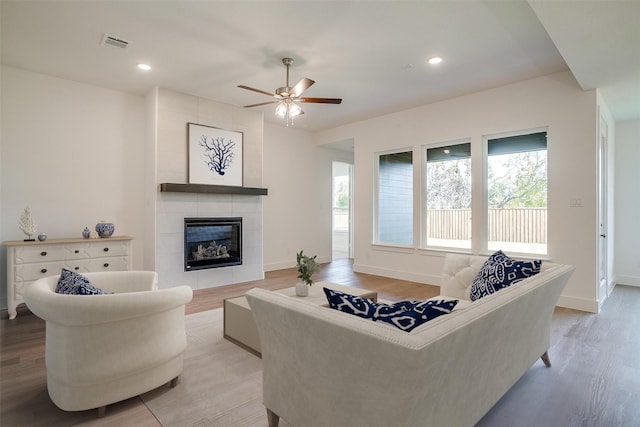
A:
575	203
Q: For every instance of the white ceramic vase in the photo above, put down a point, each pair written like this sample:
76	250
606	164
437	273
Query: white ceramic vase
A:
302	289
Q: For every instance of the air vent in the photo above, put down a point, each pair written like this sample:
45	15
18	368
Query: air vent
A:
114	41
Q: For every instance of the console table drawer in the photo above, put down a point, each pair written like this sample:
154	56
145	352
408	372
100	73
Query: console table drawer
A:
24	255
30	272
109	264
97	249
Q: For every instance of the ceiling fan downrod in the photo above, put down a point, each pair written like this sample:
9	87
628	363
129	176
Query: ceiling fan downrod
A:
285	90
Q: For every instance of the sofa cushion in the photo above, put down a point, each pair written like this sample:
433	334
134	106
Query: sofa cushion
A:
404	315
500	271
72	283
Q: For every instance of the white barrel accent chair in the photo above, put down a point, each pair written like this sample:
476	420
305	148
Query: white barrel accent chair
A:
102	349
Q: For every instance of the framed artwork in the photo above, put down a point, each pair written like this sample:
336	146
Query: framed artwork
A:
215	155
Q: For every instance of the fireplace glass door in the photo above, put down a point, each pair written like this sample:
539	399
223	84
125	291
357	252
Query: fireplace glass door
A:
212	243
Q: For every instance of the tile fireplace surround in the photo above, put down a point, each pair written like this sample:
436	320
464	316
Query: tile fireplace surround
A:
167	146
173	208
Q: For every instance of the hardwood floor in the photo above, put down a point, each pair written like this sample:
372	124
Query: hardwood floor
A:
594	379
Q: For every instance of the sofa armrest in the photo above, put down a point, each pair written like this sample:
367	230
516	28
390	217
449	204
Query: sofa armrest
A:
460	270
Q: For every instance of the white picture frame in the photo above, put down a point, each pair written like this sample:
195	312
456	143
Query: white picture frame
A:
215	155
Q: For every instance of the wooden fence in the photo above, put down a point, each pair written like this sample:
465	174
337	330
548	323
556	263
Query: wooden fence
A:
521	225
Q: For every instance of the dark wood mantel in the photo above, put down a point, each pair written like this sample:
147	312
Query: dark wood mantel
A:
211	189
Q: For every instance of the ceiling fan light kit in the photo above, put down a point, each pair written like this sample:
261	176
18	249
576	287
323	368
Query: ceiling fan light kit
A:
287	97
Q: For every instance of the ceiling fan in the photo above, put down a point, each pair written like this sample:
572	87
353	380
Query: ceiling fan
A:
287	96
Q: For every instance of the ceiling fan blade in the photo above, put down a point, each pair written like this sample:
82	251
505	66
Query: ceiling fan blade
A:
321	100
262	103
300	87
256	90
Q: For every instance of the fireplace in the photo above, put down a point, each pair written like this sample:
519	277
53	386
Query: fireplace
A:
212	243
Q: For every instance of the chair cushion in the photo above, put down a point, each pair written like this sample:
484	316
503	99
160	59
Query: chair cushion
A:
404	315
500	271
72	283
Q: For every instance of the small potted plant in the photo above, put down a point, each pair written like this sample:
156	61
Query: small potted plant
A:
307	267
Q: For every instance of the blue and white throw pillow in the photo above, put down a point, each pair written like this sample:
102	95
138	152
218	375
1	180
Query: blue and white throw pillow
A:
404	315
362	307
72	283
414	313
500	271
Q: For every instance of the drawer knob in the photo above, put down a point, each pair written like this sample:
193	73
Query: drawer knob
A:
76	251
44	270
106	264
106	249
43	253
76	268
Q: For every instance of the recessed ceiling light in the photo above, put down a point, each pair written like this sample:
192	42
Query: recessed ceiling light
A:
434	60
144	67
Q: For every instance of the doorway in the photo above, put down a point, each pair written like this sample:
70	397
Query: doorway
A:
341	212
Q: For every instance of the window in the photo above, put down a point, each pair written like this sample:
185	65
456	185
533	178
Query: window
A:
447	218
395	198
517	193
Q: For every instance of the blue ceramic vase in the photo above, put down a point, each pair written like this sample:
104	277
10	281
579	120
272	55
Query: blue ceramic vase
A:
105	229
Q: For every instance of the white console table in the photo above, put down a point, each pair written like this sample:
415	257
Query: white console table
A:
29	261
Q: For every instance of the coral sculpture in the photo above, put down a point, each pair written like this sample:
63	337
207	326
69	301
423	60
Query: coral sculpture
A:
27	225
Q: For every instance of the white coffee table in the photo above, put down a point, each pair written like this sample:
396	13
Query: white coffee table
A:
240	327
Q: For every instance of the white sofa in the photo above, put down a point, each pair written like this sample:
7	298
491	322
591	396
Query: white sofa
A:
101	349
322	367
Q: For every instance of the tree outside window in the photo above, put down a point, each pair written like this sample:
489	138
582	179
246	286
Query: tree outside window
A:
517	194
447	221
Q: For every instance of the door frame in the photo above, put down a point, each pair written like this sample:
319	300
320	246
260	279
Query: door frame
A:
604	285
350	207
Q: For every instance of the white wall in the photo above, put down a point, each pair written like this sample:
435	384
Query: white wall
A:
297	211
627	159
555	101
73	153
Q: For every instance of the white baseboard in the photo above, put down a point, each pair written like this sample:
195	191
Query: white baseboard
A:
627	280
291	263
428	279
279	265
576	303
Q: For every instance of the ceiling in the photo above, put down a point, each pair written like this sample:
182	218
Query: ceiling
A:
370	54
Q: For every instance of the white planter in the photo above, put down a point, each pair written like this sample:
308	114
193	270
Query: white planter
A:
302	289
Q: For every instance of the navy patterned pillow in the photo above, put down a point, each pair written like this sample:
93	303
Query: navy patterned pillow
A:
72	283
414	313
500	271
404	315
351	304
